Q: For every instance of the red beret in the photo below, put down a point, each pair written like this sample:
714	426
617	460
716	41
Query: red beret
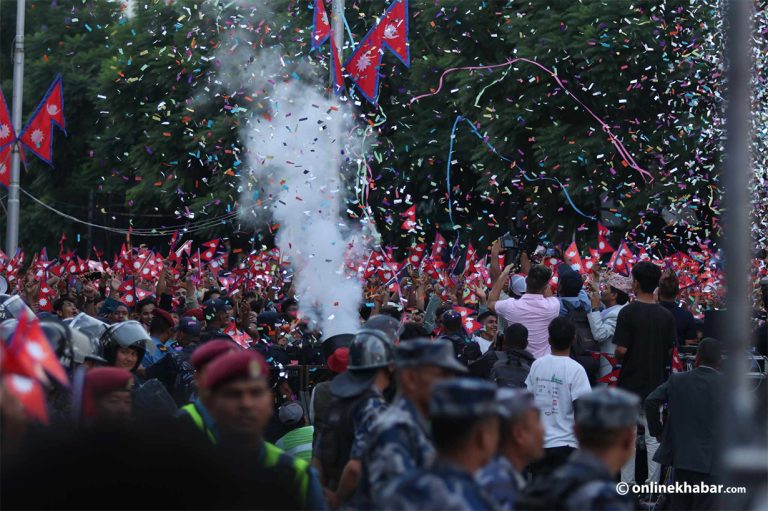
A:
195	313
103	380
240	365
204	354
164	314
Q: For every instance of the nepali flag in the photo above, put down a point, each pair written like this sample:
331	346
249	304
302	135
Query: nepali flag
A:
619	261
45	296
573	258
30	350
602	240
209	249
410	218
7	134
363	65
321	24
5	166
468	321
395	31
592	260
38	134
438	247
416	253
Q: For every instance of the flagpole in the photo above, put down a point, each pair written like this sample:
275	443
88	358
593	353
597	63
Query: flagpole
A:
12	231
337	23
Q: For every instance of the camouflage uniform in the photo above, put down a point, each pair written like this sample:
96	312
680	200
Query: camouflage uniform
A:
442	487
398	442
446	485
399	439
584	481
363	419
500	478
501	481
597	488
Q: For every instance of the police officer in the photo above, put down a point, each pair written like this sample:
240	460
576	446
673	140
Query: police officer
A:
605	429
522	441
236	392
399	439
358	400
196	410
464	416
161	330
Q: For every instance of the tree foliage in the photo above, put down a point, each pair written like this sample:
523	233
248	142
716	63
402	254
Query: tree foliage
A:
153	115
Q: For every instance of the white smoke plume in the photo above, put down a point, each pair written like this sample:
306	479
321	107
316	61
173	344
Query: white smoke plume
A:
296	154
295	160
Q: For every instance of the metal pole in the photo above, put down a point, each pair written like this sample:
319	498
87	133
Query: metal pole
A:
744	455
12	236
337	23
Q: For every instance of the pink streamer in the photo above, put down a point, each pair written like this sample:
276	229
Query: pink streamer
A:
623	152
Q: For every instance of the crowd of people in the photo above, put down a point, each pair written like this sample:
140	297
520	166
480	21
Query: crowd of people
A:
521	388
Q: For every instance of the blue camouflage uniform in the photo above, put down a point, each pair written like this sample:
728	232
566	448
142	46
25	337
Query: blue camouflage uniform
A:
597	488
446	485
500	478
443	486
398	442
585	481
399	439
501	481
363	419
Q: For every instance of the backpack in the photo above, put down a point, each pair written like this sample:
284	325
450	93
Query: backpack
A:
337	436
578	315
510	372
548	493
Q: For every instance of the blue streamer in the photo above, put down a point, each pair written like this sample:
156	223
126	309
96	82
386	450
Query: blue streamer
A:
460	118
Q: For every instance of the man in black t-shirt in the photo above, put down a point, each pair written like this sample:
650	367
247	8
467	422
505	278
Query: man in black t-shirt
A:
644	337
669	288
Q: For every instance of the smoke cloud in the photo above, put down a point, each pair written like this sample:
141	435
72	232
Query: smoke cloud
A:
295	163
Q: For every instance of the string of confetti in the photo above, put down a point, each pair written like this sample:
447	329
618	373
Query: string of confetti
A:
647	177
490	146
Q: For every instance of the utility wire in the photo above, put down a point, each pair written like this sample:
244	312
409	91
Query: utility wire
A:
189	227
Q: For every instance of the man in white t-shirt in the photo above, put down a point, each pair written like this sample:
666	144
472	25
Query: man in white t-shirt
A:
534	310
556	381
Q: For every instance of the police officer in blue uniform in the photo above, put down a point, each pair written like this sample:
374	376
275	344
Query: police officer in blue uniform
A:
605	429
400	439
522	441
358	398
464	417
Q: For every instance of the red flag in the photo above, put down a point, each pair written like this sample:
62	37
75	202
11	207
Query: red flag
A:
5	166
416	253
602	240
45	297
471	259
29	393
573	257
7	134
619	261
30	347
363	65
469	323
677	365
38	134
209	250
438	247
395	31
321	24
410	218
592	260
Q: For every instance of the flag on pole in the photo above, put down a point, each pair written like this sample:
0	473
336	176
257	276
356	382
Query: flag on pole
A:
7	134
37	136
